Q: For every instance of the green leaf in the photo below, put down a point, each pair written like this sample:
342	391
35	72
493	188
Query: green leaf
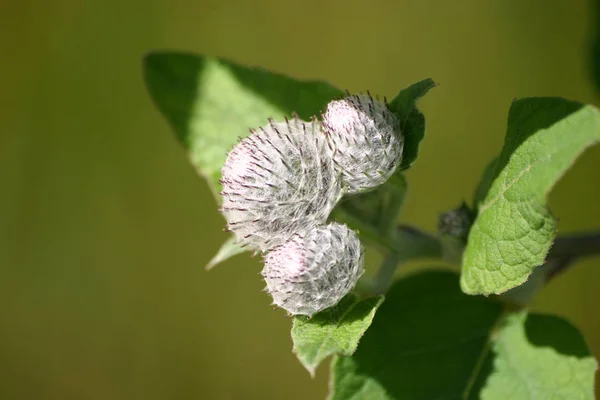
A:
431	341
211	102
404	106
514	229
333	331
539	357
424	343
229	248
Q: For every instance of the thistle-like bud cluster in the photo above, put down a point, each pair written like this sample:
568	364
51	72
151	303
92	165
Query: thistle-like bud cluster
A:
312	272
366	141
277	182
281	183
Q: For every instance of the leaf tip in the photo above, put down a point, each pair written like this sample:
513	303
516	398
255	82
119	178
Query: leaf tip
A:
311	370
430	83
311	367
149	58
210	265
153	61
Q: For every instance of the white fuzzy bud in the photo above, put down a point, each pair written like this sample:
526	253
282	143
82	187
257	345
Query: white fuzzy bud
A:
314	271
366	141
277	182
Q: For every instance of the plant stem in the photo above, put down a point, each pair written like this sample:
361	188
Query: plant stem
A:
565	251
369	232
408	243
577	245
568	249
412	243
400	244
385	274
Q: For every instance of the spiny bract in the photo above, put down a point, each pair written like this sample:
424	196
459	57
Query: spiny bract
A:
277	182
314	271
365	139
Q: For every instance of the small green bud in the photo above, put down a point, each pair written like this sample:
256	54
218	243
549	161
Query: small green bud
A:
454	227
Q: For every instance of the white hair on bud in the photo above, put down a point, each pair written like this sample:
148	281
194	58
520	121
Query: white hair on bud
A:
277	182
366	141
314	271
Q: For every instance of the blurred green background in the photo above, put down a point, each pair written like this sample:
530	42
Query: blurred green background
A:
105	228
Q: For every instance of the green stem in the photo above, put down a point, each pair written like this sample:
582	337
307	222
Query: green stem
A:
393	202
578	245
400	245
406	243
385	274
569	248
413	244
367	231
410	242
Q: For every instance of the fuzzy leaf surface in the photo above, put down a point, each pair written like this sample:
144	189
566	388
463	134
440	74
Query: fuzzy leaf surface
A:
333	331
539	357
431	341
514	228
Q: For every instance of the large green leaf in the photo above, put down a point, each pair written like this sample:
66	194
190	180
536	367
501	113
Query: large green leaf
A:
211	102
332	331
431	341
514	229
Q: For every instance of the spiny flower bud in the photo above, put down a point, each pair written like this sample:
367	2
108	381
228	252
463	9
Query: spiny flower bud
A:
277	182
314	271
366	141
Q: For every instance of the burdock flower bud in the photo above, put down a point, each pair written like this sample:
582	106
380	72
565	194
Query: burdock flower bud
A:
314	271
453	228
366	141
277	182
